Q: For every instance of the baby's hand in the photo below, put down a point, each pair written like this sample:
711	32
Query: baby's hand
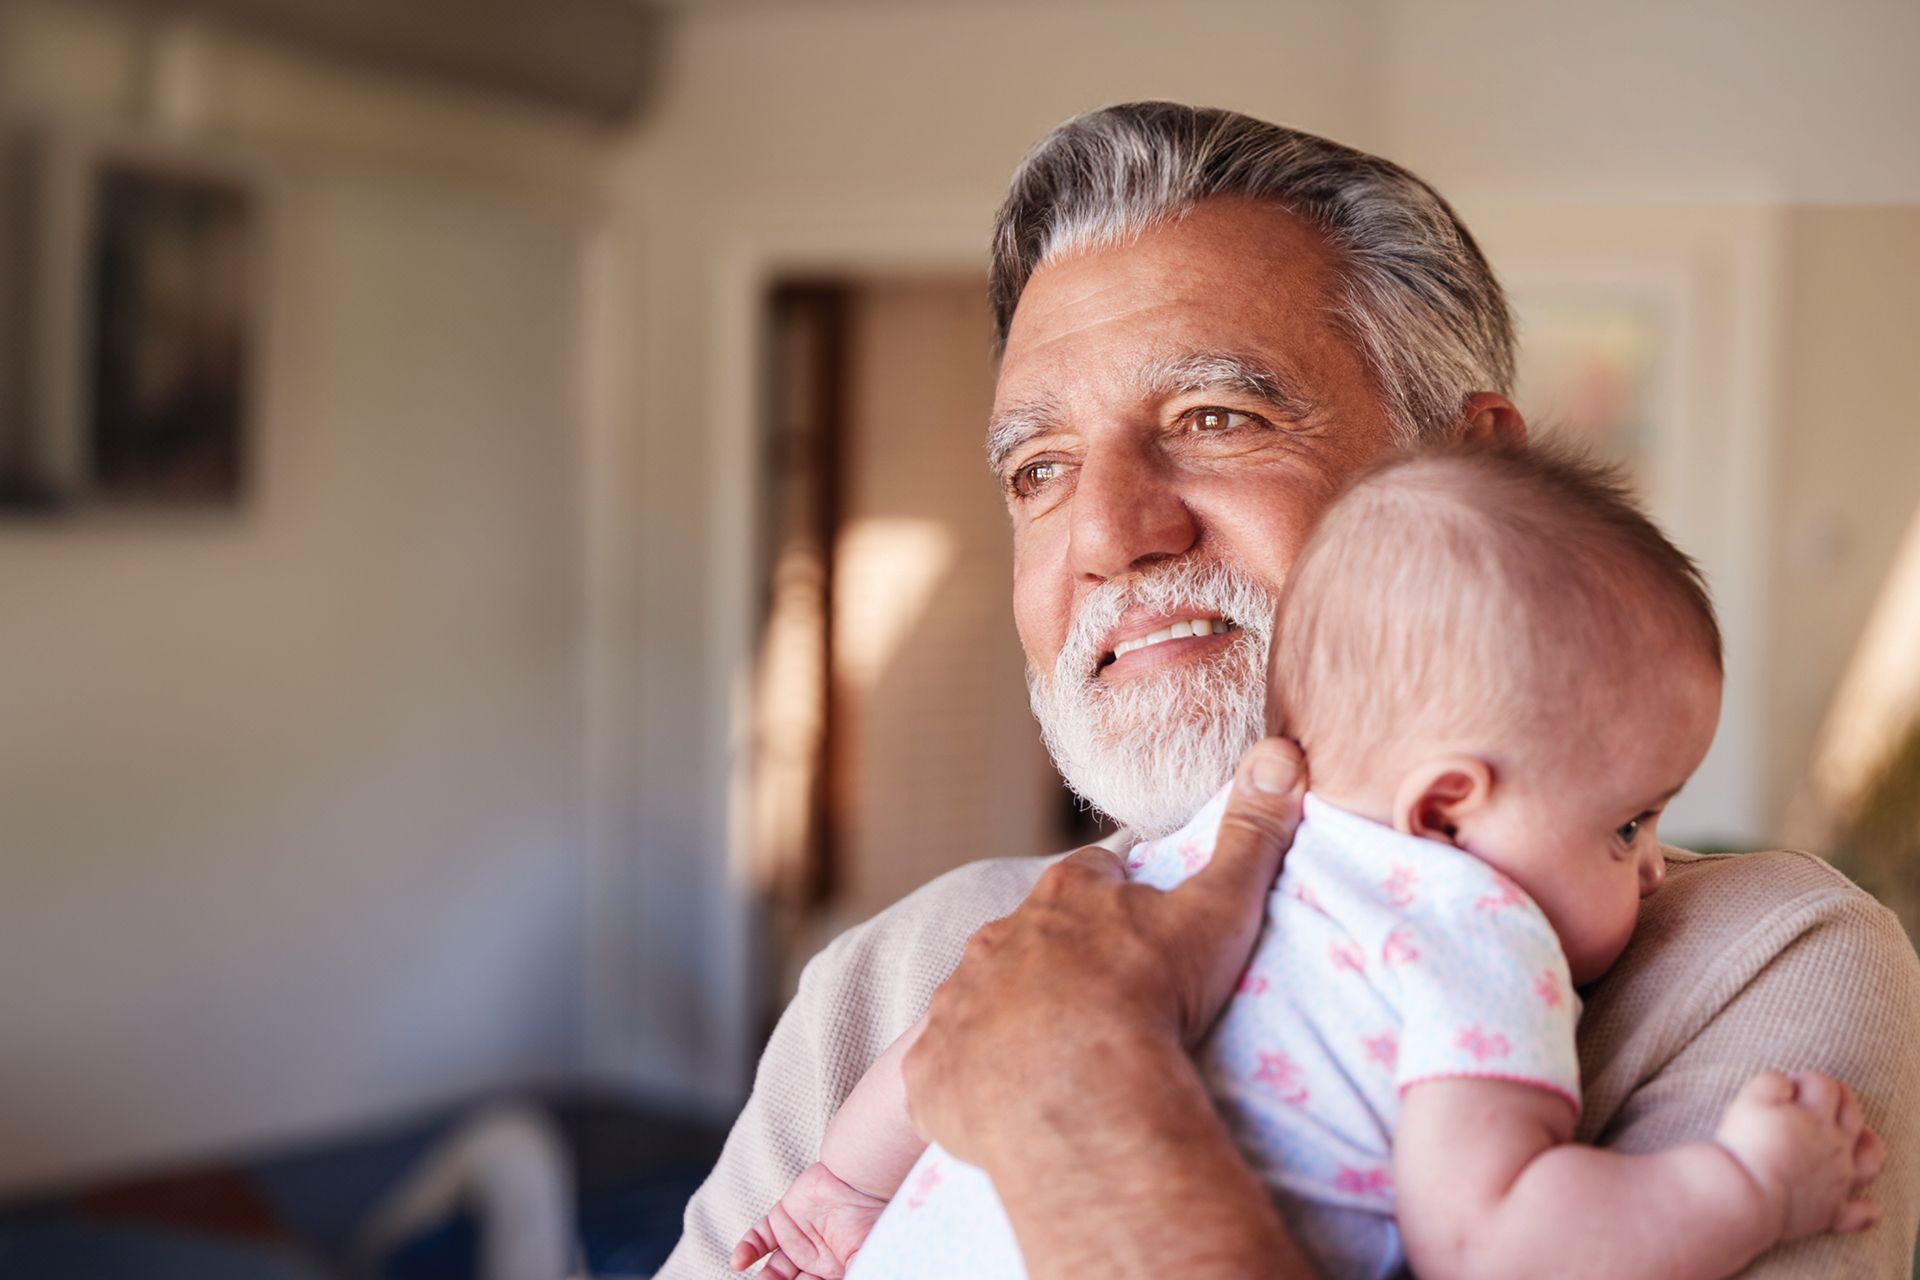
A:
815	1230
1806	1146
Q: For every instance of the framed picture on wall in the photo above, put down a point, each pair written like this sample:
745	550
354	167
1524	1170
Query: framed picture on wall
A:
142	335
1593	368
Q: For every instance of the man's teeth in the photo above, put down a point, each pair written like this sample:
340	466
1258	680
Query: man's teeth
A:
1178	631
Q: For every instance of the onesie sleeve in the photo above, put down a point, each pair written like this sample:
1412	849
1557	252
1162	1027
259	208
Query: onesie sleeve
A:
1484	987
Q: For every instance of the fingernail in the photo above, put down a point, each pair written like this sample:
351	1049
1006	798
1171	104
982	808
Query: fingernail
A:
1274	772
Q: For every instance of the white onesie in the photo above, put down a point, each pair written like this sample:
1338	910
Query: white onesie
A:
1385	960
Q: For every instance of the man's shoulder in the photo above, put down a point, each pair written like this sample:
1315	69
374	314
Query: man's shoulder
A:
966	897
922	935
1741	946
1750	902
1720	918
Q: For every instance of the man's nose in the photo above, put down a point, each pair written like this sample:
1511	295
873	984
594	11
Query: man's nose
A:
1653	871
1127	511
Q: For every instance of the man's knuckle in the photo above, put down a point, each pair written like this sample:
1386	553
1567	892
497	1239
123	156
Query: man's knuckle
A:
987	938
1062	880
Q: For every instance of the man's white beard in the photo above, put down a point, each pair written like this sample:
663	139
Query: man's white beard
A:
1149	750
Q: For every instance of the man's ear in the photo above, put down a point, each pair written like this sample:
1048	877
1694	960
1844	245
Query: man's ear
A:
1488	418
1438	797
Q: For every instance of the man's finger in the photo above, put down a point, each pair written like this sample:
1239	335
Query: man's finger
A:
1263	812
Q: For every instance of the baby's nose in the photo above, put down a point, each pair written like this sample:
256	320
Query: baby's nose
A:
1653	872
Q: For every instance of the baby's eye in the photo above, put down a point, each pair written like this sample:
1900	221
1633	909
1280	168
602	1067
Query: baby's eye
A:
1629	832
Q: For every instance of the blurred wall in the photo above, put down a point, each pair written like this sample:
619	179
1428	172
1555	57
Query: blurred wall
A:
294	833
869	138
1849	457
933	710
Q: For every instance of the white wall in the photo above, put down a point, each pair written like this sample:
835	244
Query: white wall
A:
1848	467
294	828
1649	101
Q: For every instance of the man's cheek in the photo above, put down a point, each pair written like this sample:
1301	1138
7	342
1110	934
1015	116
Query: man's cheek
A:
1040	624
1042	591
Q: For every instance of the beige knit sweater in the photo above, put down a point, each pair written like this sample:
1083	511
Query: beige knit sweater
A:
1740	962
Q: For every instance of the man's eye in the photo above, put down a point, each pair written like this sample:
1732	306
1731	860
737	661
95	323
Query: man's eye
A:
1211	419
1629	832
1031	478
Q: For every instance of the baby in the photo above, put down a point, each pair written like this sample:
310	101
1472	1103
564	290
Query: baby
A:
1500	673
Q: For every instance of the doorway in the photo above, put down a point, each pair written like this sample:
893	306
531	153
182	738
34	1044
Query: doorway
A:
892	739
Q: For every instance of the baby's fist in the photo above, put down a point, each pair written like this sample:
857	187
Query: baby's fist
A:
815	1230
1805	1144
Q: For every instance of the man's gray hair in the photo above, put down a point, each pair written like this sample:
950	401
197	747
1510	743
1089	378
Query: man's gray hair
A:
1419	297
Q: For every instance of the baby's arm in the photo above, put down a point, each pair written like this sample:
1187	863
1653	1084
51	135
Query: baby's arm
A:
825	1216
1490	1186
871	1143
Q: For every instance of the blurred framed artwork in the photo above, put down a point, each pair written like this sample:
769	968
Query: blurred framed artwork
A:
141	335
1592	369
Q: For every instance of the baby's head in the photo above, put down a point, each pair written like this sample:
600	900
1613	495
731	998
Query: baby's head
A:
1498	650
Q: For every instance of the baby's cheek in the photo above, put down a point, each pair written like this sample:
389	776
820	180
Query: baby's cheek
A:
1603	930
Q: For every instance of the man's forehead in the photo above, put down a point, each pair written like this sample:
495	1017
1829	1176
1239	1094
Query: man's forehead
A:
1234	244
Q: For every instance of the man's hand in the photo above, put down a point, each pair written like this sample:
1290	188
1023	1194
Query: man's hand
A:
1075	999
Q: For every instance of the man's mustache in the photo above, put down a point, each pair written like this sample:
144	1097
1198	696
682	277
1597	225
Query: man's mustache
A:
1173	587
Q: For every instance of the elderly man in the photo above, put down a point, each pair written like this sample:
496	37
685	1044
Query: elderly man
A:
1208	323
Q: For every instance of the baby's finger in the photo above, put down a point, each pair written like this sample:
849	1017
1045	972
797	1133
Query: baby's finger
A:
752	1246
1869	1153
1769	1087
1856	1215
1850	1117
1818	1094
781	1267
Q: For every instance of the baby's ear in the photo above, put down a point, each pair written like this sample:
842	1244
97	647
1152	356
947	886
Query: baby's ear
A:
1439	797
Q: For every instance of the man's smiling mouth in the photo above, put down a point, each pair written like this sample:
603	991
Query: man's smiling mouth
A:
1185	629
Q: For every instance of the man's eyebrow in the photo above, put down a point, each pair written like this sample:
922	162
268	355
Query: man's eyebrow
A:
1189	373
1181	374
1011	428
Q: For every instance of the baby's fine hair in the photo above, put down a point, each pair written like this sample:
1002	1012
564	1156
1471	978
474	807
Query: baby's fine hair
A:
1479	592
